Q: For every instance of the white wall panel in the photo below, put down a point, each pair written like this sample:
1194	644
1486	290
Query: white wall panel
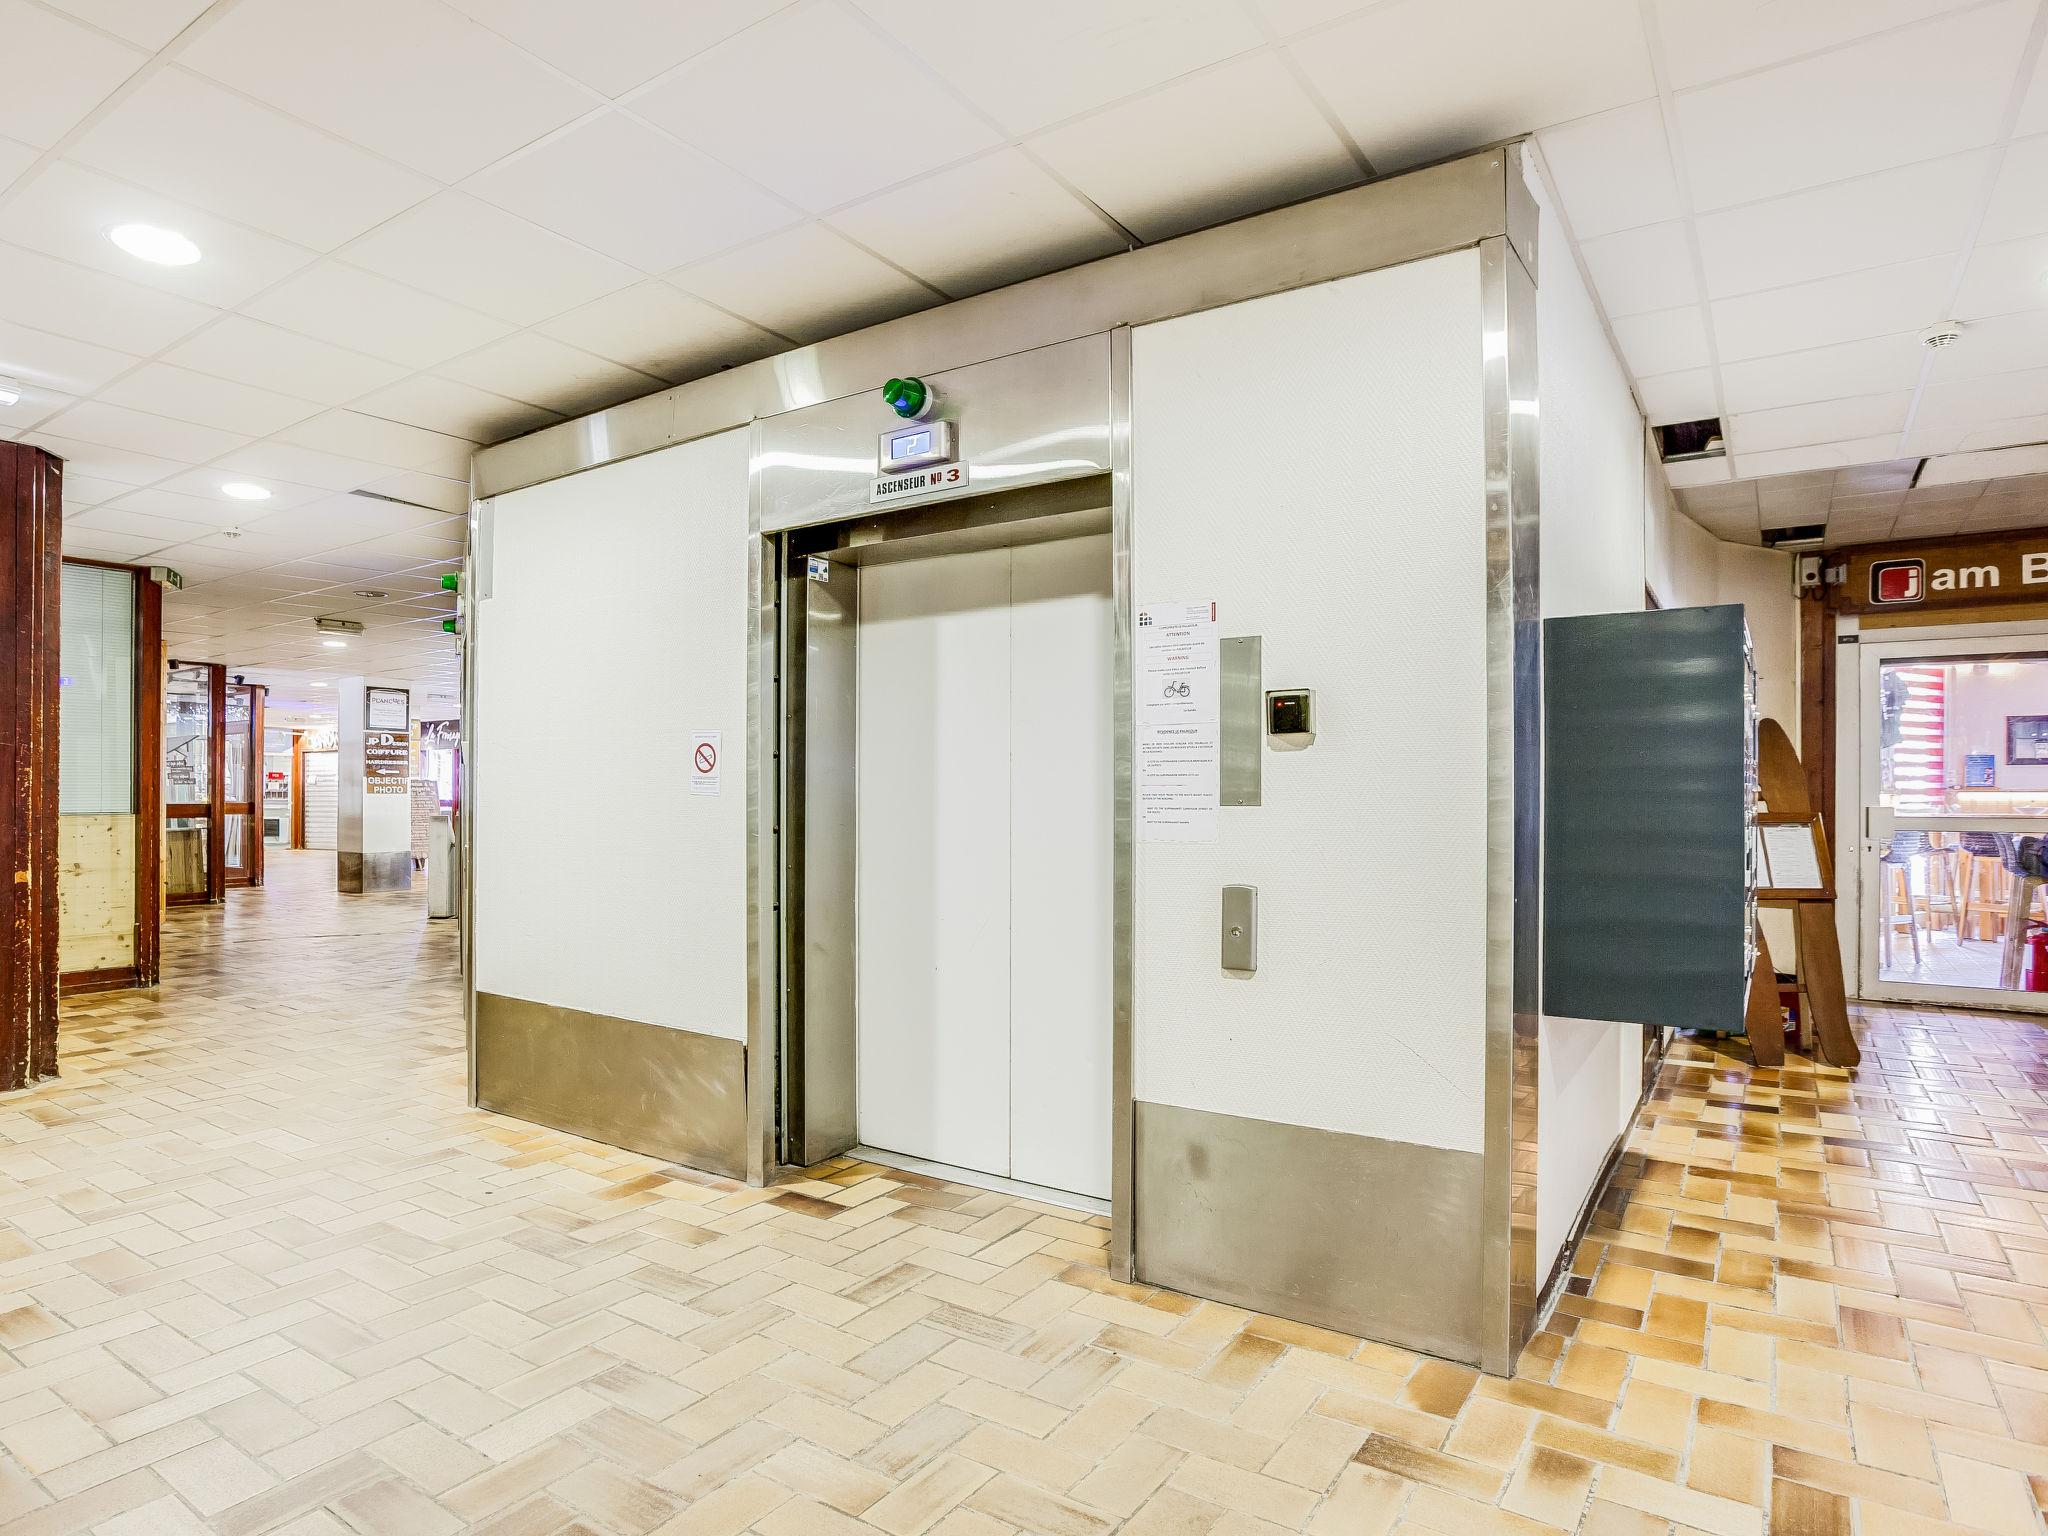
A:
1062	645
1313	462
617	626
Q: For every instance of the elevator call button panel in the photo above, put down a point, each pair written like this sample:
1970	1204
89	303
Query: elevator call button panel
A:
915	446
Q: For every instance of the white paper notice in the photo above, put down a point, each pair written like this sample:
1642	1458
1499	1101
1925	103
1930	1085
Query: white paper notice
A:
706	749
1179	735
1790	860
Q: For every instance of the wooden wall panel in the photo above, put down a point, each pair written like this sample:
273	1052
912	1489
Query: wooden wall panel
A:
96	897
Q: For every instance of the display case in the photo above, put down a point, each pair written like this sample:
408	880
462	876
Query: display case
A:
1650	803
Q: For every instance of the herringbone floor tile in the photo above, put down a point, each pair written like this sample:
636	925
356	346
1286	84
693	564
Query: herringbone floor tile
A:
262	1271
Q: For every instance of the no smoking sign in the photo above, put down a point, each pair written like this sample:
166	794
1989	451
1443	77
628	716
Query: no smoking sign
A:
705	753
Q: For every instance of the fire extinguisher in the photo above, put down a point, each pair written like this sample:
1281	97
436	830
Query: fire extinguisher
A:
2035	978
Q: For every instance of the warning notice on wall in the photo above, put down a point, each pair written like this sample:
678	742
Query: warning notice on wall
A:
706	752
1176	685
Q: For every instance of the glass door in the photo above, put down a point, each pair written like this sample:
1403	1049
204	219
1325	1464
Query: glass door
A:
194	731
241	790
1954	860
279	750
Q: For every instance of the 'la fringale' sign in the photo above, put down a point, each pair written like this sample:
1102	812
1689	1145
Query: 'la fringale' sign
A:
1965	574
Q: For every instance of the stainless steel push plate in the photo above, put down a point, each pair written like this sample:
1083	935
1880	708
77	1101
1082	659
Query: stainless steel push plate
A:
1241	928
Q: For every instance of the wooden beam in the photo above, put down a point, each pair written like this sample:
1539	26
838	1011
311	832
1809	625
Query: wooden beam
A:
149	778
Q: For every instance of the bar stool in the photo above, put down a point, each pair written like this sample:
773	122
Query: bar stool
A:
1897	860
2023	861
1972	847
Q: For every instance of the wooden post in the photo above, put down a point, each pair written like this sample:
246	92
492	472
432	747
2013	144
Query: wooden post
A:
31	551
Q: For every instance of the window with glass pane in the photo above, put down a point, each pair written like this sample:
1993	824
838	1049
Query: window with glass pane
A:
188	726
235	766
96	702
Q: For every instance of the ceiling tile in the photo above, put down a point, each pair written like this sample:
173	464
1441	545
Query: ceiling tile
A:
1965	403
1890	216
1882	301
95	421
2033	116
194	140
1642	269
196	497
1696	472
425	491
1666	341
1876	365
15	157
548	373
1612	170
84	491
1418	79
592	183
1005	220
1778	461
353	435
1706	41
94	545
1288	17
250	352
147	23
101	462
2004	278
1866	107
443	405
199	397
37	291
151	532
1229	141
464	250
57	71
413	80
805	283
1031	66
66	211
2019	198
37	404
302	466
57	362
1999	344
663	331
831	74
1826	421
1684	396
635	40
355	309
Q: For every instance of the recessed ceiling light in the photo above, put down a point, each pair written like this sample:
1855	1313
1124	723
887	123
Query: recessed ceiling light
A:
145	242
10	392
246	490
335	645
319	685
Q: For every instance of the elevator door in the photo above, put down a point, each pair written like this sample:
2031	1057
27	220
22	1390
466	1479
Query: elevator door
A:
982	945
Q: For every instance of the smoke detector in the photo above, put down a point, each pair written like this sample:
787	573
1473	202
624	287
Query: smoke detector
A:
1937	336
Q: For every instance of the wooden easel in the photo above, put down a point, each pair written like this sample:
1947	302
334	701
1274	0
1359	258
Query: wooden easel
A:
1783	783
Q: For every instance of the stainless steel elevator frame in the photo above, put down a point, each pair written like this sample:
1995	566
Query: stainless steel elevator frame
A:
1481	201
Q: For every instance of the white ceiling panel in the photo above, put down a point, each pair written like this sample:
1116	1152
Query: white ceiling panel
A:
2004	278
1613	169
37	357
595	180
624	45
1638	270
1708	39
302	466
1031	66
57	71
36	405
359	310
1997	345
15	157
151	532
1876	365
146	23
1963	402
267	357
2019	199
1827	421
117	426
1867	107
464	250
548	373
1418	79
1779	461
2033	116
832	76
39	291
1666	341
1229	141
183	495
195	140
1878	302
1006	220
66	210
663	331
184	395
413	80
353	435
84	491
1916	210
806	283
1684	396
93	545
100	462
424	490
442	405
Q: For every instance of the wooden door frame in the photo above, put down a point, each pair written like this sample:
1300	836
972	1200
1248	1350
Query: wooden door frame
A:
297	836
251	812
216	783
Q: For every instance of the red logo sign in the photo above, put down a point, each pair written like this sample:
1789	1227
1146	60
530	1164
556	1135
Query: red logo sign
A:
1898	581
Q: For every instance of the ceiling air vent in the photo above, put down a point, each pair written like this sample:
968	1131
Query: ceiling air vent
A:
1681	442
400	501
1804	536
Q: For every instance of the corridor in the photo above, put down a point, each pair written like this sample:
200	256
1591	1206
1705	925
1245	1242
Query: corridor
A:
262	1271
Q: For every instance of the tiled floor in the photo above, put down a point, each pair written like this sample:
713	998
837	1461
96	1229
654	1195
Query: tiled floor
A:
261	1271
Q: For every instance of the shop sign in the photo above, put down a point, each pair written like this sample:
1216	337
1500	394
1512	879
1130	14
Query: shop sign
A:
1962	574
387	762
